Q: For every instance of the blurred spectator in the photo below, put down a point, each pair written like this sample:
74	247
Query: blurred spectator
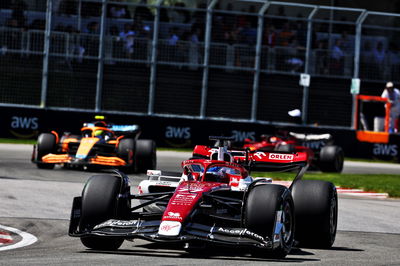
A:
68	7
91	40
285	35
142	12
393	96
173	36
92	27
337	58
270	36
179	14
194	39
321	55
128	37
118	11
379	54
346	43
248	35
378	61
294	61
300	27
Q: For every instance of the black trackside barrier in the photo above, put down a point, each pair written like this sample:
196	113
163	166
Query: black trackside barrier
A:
28	123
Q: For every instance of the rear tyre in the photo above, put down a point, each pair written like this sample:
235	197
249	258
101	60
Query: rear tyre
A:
264	205
331	159
316	213
100	202
146	155
125	151
46	144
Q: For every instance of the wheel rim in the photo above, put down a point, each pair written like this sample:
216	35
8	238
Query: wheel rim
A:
287	221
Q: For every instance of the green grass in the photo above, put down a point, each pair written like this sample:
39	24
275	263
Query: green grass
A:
17	141
368	182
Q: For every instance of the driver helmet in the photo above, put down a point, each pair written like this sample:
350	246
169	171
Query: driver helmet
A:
99	133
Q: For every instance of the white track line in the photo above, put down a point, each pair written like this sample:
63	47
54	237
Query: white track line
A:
27	239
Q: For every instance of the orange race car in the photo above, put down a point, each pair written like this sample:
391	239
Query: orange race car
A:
99	145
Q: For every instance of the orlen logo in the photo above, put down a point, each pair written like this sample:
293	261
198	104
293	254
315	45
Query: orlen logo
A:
177	132
278	156
385	149
18	122
242	135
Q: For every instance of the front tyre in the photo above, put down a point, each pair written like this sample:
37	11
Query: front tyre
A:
100	203
125	151
316	211
46	144
269	207
146	155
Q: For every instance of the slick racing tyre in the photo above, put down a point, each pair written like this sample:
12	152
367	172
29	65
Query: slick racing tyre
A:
126	151
316	213
146	155
264	207
46	144
100	202
331	159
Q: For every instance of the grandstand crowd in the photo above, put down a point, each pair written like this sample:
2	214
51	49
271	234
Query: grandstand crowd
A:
182	31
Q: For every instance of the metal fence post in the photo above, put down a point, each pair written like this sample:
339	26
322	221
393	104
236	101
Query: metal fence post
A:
207	40
357	49
46	51
304	111
153	62
257	61
100	67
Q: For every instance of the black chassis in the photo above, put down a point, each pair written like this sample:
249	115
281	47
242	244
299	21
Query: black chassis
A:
217	218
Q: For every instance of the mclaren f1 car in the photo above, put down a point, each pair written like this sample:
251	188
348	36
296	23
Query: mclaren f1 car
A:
99	145
323	154
213	202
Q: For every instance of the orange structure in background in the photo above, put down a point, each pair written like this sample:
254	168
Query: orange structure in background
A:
372	136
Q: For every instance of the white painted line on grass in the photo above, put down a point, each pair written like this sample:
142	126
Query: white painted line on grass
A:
27	239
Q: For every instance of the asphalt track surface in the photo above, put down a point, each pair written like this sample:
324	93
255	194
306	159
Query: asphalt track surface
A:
39	201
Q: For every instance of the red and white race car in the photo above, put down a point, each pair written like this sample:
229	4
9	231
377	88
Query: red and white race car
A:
213	201
321	151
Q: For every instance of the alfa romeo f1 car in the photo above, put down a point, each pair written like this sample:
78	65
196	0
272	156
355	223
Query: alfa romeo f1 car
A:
99	145
323	155
213	201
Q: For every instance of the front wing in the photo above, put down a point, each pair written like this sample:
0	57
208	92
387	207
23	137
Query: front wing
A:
99	160
147	229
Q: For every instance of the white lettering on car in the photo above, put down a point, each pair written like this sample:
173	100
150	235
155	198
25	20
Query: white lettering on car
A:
281	157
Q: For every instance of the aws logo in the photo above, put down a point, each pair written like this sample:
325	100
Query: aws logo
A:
24	127
178	136
242	135
385	149
314	145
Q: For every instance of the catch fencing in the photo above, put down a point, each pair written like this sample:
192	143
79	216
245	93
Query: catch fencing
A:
210	62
